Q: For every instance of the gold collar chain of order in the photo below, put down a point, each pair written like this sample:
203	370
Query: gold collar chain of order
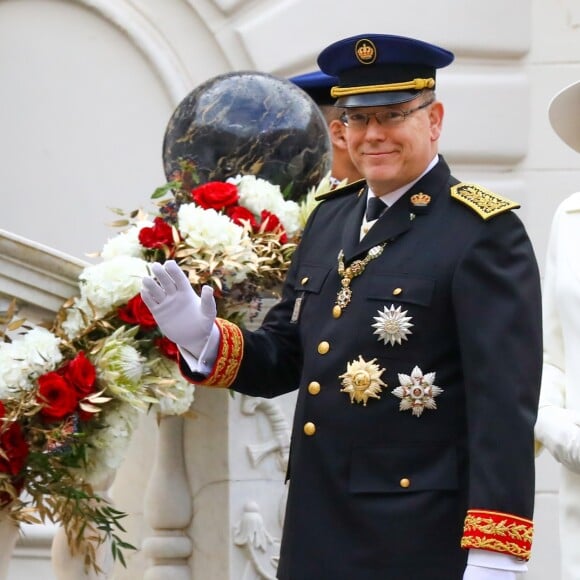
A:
347	273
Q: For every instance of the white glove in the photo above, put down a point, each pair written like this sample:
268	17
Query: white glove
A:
559	431
481	573
182	316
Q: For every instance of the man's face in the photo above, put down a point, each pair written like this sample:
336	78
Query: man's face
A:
390	152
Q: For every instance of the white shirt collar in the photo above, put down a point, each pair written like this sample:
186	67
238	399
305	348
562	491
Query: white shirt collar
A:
391	197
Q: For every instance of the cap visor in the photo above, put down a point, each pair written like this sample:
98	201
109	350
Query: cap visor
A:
377	99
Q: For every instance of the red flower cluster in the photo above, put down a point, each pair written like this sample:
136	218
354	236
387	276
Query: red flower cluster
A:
224	197
61	391
167	348
217	195
157	236
13	446
136	312
13	453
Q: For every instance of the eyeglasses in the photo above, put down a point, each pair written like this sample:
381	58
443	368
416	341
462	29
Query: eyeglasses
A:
359	121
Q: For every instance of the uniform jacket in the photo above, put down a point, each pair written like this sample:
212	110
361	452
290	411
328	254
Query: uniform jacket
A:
560	385
376	491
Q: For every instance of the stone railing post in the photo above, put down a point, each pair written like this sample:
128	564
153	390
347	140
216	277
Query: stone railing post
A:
168	507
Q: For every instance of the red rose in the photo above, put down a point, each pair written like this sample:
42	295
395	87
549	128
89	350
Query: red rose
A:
14	447
58	396
216	195
2	410
167	348
239	215
136	312
157	236
271	223
81	373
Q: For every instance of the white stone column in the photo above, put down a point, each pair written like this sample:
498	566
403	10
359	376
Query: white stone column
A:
236	452
168	506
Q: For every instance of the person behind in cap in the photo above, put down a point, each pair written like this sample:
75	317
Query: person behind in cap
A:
317	85
413	337
558	424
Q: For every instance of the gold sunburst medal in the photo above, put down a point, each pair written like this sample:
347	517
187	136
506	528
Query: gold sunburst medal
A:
362	380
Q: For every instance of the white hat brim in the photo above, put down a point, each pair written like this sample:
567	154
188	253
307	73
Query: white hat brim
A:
564	115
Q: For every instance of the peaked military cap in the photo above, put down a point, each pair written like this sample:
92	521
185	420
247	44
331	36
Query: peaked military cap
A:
381	69
317	85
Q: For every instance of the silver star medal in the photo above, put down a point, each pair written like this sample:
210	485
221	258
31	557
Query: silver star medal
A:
392	325
417	392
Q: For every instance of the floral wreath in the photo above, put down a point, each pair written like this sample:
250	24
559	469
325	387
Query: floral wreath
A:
72	391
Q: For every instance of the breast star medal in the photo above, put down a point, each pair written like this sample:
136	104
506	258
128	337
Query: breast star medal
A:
362	380
392	325
417	392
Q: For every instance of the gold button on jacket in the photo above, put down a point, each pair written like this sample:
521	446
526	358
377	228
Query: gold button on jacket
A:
314	388
309	428
368	478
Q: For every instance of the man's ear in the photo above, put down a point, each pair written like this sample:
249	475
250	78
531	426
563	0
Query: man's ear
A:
337	134
436	113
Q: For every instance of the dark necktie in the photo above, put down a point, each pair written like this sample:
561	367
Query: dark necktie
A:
375	207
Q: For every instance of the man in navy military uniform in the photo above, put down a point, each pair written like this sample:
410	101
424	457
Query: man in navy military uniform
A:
317	85
413	335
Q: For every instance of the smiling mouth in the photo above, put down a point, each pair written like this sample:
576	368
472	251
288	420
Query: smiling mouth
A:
379	153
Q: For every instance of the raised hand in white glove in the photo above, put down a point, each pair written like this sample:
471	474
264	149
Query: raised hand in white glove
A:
481	573
559	431
182	316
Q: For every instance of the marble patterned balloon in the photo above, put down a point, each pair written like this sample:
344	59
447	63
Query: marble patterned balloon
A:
250	123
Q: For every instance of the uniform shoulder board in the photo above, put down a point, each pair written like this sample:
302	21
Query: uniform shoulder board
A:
354	187
484	202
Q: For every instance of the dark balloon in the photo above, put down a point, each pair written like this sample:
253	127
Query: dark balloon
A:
250	123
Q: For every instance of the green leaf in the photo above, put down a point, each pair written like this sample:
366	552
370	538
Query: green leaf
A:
162	190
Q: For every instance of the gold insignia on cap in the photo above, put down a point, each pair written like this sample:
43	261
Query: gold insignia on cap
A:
362	380
483	201
365	51
420	200
417	392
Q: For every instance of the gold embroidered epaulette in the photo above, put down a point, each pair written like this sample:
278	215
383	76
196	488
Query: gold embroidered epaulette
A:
484	202
354	187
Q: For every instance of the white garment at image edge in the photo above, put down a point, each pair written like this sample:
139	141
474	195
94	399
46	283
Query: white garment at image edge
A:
561	374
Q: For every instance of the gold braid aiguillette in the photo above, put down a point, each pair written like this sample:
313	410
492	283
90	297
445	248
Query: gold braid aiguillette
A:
347	273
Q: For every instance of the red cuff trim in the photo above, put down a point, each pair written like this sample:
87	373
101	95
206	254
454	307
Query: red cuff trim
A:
229	356
498	532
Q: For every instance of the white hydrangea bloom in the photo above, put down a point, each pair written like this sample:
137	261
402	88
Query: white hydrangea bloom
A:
181	393
213	233
22	361
112	283
74	322
125	243
208	229
257	194
288	213
108	446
